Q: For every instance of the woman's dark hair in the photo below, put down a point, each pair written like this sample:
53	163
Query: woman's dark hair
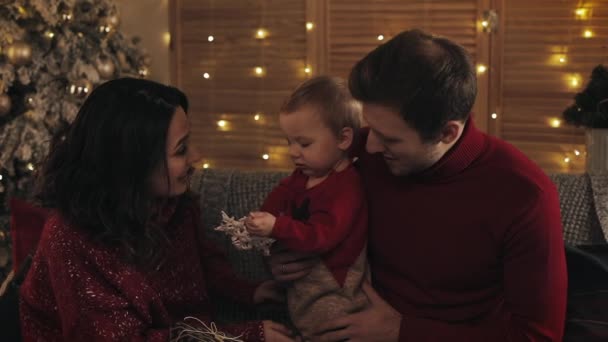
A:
98	174
429	80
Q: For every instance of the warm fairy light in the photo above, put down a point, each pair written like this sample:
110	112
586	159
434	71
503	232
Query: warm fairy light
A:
481	68
222	123
567	160
167	38
261	34
259	71
0	177
577	152
588	34
485	23
210	38
257	117
380	37
30	166
206	166
575	81
494	116
555	123
49	34
562	59
309	26
265	156
582	13
307	70
206	75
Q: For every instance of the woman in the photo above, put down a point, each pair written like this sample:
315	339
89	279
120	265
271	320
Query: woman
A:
121	257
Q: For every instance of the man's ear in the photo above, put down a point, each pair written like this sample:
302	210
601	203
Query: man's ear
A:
451	131
345	138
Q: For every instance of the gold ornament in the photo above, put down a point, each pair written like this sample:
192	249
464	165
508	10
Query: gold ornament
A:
80	88
113	21
5	104
105	67
144	71
19	53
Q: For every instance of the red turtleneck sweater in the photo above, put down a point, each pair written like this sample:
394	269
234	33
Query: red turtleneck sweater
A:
470	249
80	290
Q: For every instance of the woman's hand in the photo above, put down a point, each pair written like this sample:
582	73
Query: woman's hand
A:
276	332
269	291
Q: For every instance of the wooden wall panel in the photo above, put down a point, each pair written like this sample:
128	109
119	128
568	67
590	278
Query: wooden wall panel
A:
544	49
233	92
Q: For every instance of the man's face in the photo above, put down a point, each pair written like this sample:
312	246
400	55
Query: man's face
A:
401	145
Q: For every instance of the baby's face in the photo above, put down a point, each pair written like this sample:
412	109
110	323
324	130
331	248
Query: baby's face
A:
313	147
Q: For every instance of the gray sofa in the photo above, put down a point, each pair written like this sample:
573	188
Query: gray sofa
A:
583	201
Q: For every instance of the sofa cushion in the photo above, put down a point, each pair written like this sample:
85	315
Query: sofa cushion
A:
237	193
580	221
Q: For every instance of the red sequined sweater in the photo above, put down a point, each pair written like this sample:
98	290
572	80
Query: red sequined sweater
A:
79	290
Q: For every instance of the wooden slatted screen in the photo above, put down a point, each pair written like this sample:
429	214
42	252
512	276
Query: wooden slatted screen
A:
234	92
545	60
355	27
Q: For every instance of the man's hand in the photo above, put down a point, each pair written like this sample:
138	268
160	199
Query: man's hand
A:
275	332
286	265
260	223
378	322
269	290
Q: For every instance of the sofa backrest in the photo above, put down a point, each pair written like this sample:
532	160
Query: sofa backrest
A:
239	192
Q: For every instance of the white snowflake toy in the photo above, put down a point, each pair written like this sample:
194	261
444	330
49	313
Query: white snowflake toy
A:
240	237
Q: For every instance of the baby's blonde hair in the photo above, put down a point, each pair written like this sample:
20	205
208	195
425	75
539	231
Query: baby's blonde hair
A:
330	98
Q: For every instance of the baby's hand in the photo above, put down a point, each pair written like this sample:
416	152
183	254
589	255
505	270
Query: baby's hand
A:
260	223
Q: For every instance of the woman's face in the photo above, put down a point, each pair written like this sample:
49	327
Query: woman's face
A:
180	159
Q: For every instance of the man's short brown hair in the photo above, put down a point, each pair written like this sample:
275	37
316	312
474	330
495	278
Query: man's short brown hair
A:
330	98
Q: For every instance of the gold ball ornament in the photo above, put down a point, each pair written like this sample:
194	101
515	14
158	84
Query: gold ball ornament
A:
113	21
144	72
19	53
80	88
5	104
105	67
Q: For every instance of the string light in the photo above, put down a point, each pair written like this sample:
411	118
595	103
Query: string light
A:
265	156
261	33
588	34
494	116
567	160
0	177
582	13
575	81
30	166
562	59
222	123
206	166
210	39
555	123
257	117
49	34
481	68
577	152
259	71
380	37
307	70
309	26
206	75
167	38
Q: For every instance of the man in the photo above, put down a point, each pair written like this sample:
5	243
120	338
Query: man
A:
465	231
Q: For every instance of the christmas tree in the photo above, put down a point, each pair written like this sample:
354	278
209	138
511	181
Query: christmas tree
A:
52	54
